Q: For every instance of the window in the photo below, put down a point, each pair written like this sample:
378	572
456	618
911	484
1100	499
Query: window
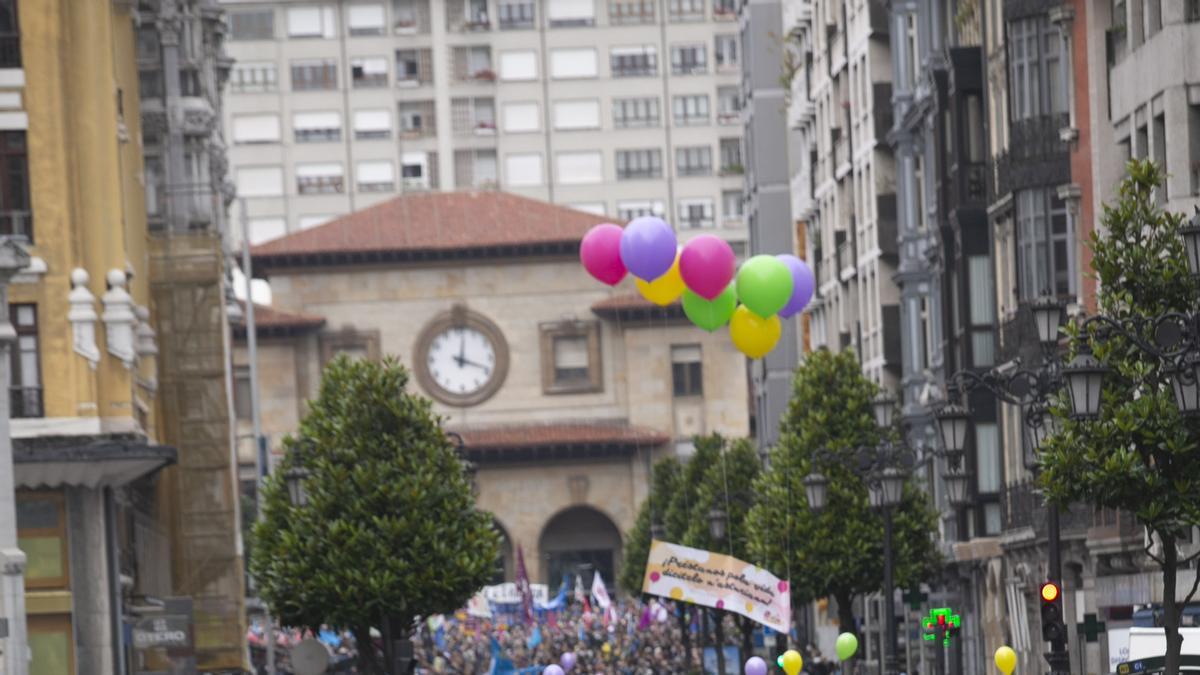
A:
731	205
1194	145
516	14
417	118
372	125
639	164
577	115
570	13
365	19
688	59
405	16
729	102
368	72
375	176
981	289
317	127
42	536
251	77
413	67
695	213
475	168
1159	139
243	401
314	75
685	10
473	63
579	168
634	61
690	110
265	229
26	388
988	463
635	112
731	157
724	9
254	24
693	161
572	63
570	354
414	170
249	129
473	115
320	179
687	374
520	65
1039	84
523	170
636	209
16	213
1045	245
725	50
522	117
311	22
259	181
625	12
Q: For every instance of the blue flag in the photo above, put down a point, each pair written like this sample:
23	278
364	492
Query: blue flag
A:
535	638
500	665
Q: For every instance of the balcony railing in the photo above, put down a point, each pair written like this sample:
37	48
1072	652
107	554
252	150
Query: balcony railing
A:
17	224
1022	505
320	185
514	16
25	402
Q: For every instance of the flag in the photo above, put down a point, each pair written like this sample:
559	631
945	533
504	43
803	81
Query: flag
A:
559	600
599	592
500	665
580	595
644	621
523	588
535	638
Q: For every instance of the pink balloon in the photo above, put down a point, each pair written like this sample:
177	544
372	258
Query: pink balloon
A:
600	252
707	265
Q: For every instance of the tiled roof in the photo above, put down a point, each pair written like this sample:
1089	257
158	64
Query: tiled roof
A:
271	321
432	226
569	440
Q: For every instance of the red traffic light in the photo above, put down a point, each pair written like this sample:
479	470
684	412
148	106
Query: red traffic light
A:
1050	591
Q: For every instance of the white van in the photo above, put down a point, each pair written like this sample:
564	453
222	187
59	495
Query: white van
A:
1148	646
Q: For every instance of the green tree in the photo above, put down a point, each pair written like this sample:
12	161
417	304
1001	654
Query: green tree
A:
637	542
682	506
1140	455
838	552
390	528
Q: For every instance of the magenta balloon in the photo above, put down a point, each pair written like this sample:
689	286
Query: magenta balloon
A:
707	265
648	247
600	253
803	285
567	661
756	666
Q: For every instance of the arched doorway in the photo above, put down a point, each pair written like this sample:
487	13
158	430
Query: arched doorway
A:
579	540
503	570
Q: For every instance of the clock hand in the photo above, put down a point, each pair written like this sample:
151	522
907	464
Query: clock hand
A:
472	363
462	348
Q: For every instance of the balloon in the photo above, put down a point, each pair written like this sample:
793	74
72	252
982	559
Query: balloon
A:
792	662
753	335
764	284
648	247
661	615
846	645
665	289
803	284
710	314
553	670
707	265
755	666
567	661
1006	659
600	253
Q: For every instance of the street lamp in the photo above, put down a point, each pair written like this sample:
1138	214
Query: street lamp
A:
957	487
816	488
295	477
953	421
718	522
1048	316
1185	380
884	407
1084	376
1190	234
891	482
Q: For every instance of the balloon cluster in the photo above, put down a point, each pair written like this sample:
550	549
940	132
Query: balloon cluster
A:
791	662
705	275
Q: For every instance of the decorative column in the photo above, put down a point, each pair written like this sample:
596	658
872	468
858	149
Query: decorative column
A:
119	318
82	317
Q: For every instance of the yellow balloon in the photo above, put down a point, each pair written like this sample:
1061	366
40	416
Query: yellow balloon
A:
792	662
753	335
1006	660
665	289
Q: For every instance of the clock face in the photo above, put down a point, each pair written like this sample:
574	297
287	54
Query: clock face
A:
461	361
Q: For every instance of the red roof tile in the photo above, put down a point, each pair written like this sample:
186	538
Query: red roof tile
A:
433	222
561	434
271	320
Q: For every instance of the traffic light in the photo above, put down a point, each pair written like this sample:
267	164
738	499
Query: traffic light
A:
1053	628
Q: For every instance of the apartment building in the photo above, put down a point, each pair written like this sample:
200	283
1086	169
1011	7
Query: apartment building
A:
617	107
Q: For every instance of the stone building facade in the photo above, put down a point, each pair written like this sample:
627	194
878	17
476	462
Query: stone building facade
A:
587	385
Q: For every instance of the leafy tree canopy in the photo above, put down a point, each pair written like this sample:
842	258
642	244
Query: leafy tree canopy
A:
637	542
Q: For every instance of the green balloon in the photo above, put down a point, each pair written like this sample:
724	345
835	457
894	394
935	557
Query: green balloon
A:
710	314
847	645
764	285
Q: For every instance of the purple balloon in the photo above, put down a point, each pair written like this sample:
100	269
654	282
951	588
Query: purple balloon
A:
803	284
648	247
567	661
707	265
756	666
553	670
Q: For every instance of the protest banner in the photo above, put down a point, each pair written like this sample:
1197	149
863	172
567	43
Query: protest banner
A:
719	581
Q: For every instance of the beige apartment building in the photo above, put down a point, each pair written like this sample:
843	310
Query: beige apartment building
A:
621	107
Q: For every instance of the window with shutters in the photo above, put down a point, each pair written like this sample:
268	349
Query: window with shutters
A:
364	19
253	24
417	119
695	213
634	61
729	105
413	67
522	117
693	161
572	115
320	179
475	115
253	77
317	127
311	22
691	110
725	53
475	169
251	129
732	205
314	75
687	373
688	60
370	125
473	63
368	72
630	113
731	157
580	168
259	181
570	355
685	10
628	210
516	14
570	13
519	65
375	176
630	12
523	169
573	63
418	170
639	164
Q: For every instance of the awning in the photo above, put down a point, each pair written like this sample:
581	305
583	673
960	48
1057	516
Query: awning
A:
90	462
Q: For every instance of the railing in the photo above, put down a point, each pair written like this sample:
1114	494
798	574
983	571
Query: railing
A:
254	80
10	51
17	224
380	186
24	402
516	15
631	13
696	223
1038	137
1023	505
320	185
317	135
634	69
370	80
